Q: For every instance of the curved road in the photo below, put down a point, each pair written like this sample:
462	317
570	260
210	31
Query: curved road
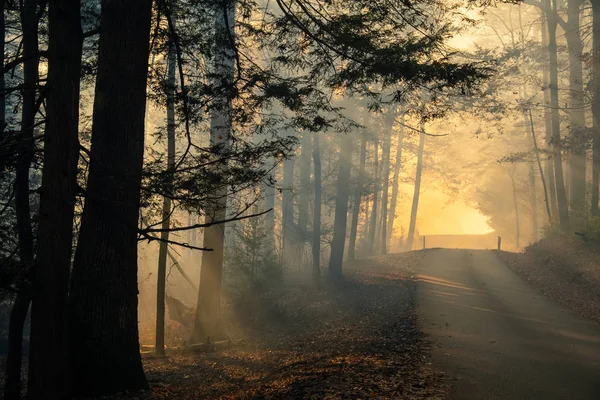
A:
497	337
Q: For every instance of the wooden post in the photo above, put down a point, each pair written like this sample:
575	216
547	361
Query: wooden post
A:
424	242
499	242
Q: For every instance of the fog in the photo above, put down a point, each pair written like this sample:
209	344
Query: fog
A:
476	183
301	185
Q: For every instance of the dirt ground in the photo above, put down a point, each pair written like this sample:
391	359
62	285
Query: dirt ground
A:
565	268
358	340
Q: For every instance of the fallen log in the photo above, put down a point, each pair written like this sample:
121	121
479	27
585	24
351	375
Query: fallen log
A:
147	350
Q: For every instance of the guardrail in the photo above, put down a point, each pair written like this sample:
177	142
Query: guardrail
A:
487	238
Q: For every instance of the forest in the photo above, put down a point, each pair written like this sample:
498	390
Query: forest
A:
248	199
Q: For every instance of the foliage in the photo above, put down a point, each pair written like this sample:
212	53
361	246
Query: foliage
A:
252	271
552	229
593	228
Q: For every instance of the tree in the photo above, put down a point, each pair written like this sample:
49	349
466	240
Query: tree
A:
166	211
375	208
341	208
397	166
595	105
304	185
24	157
561	194
104	355
208	308
417	191
358	195
511	174
57	204
387	143
316	235
576	116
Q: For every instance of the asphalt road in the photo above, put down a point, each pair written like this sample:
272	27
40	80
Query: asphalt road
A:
497	337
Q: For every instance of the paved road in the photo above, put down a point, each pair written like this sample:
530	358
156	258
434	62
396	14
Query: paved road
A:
497	337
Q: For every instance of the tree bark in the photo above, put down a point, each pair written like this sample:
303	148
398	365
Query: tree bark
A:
596	106
288	202
367	222
207	323
532	187
576	118
316	235
395	182
269	198
103	325
516	206
159	347
341	208
387	144
374	209
417	191
2	80
539	163
57	205
358	194
25	150
561	195
304	185
549	167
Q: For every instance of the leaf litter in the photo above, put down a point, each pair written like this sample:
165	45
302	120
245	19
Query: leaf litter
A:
355	340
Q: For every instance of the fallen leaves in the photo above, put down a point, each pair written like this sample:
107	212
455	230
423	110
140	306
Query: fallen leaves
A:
565	268
358	340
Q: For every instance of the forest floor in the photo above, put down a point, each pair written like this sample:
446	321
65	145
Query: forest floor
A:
358	340
565	268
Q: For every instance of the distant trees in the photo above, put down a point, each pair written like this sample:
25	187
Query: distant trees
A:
417	189
338	242
546	48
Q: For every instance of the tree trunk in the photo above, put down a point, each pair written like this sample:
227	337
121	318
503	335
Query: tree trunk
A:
374	209
561	195
341	208
395	182
548	115
268	191
596	106
387	143
159	348
304	186
103	323
18	315
316	234
367	223
2	80
288	202
516	205
416	194
358	193
208	309
22	206
539	163
532	187
533	203
576	118
57	205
